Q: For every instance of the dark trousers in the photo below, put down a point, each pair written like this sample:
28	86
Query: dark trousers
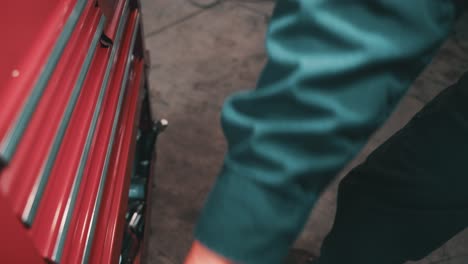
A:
411	194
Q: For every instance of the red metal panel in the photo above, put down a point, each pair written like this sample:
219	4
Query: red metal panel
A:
81	214
42	129
108	7
15	243
110	227
112	25
54	215
90	196
32	28
37	33
51	211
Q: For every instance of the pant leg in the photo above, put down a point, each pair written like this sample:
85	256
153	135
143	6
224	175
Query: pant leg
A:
411	194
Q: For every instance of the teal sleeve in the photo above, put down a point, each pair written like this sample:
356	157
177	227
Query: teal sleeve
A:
336	70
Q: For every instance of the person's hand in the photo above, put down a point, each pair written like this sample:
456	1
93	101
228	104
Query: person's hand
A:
199	254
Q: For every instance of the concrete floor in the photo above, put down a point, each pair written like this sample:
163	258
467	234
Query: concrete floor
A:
201	56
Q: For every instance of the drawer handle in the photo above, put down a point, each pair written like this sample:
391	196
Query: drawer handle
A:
102	182
39	186
58	249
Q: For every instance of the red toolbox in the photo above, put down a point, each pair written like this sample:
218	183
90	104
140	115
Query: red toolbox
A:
76	132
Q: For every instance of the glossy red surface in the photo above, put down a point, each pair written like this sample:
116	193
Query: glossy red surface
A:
111	28
30	43
87	198
42	129
32	28
16	245
51	212
109	234
107	6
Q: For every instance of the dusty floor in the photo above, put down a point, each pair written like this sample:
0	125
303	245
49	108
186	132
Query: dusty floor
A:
198	58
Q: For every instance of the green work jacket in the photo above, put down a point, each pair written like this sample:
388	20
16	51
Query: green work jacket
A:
336	70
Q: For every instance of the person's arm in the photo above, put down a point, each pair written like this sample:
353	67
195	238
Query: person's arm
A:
336	70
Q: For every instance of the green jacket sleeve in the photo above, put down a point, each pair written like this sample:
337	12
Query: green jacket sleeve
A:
336	70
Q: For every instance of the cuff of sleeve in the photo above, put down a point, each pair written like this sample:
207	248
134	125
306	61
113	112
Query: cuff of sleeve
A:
241	221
